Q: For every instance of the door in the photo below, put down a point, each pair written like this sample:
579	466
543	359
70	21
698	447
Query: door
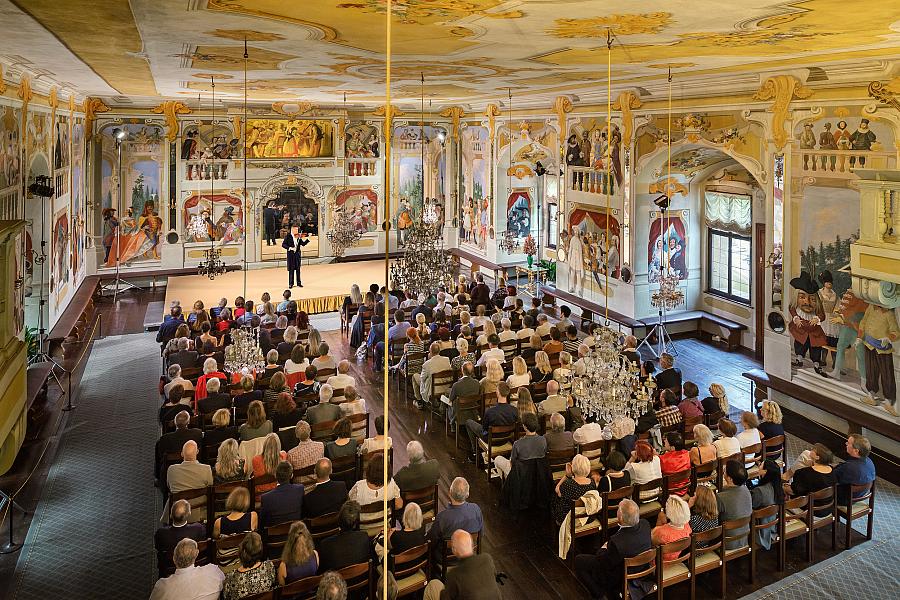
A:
760	287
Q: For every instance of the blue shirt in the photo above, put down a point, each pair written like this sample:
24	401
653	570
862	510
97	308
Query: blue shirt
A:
466	516
855	471
398	331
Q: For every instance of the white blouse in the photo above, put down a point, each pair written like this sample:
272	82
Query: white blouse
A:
363	494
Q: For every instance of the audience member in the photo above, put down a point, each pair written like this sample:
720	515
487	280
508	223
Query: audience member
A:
307	451
573	486
588	433
492	378
473	578
331	587
667	412
348	547
229	464
770	426
704	508
172	406
499	414
324	411
558	439
644	467
734	501
816	476
277	386
423	382
286	414
528	447
766	491
420	473
493	352
324	360
214	400
175	378
615	476
465	387
377	443
257	425
299	558
342	379
554	346
298	362
858	469
728	444
248	394
240	518
189	474
717	401
675	459
670	376
254	575
167	536
267	462
373	488
308	385
327	496
672	524
704	451
459	514
750	435
555	402
189	581
283	503
690	406
344	443
464	356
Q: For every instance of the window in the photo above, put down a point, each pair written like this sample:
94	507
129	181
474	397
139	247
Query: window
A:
728	265
552	224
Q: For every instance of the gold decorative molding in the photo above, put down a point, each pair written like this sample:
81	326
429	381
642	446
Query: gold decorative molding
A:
25	94
303	107
236	123
520	171
389	114
455	113
2	81
91	107
625	103
884	93
71	104
170	109
562	106
53	103
781	89
668	186
491	112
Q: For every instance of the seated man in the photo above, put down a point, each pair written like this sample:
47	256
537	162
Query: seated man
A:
571	341
669	377
189	581
189	474
564	321
493	352
554	401
342	380
215	399
501	413
324	410
348	547
527	447
328	496
307	451
247	394
857	469
423	382
474	576
167	537
465	386
283	503
184	356
324	360
333	587
557	437
587	433
459	514
601	573
175	378
173	442
630	351
419	473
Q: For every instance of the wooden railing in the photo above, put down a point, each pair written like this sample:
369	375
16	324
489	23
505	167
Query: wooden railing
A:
586	179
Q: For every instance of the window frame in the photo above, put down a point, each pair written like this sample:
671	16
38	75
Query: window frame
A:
728	295
551	239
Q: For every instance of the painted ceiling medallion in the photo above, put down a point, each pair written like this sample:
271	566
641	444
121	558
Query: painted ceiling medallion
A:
293	109
246	34
596	27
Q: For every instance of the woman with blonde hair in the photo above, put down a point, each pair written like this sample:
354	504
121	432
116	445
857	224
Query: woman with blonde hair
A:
257	425
229	464
422	327
465	320
573	486
268	314
771	416
493	376
261	305
267	462
542	372
489	330
313	342
520	376
524	403
563	373
239	518
716	401
299	558
704	508
704	451
672	524
480	320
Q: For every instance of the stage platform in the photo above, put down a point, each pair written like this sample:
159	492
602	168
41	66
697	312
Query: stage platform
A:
324	285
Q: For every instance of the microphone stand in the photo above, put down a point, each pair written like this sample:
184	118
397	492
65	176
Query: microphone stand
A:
119	282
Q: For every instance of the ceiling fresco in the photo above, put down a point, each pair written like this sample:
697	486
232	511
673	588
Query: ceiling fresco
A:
470	51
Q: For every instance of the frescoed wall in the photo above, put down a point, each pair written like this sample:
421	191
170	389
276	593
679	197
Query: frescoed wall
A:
282	138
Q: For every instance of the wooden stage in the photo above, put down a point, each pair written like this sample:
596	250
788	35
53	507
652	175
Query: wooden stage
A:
324	285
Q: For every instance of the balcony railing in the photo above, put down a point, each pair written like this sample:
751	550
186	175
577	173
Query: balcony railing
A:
205	170
839	164
586	179
361	167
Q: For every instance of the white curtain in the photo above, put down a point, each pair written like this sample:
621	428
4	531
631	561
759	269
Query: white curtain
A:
729	212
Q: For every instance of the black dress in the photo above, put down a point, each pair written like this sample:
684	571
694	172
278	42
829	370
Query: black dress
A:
569	491
608	483
403	540
808	480
229	527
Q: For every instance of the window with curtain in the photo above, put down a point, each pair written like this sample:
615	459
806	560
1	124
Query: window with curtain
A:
728	219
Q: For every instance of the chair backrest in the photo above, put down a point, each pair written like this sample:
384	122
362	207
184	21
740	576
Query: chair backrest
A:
410	561
357	577
305	475
776	442
260	481
426	498
703	473
322	526
197	497
538	391
220	492
734	525
441	382
795	509
301	589
359	425
509	347
322	375
752	456
557	460
371	517
707	541
678	548
688	424
467	404
637	567
766	517
322	432
343	468
819	502
226	548
610	503
861	493
275	537
643	491
498	435
712	419
679	483
720	471
594	451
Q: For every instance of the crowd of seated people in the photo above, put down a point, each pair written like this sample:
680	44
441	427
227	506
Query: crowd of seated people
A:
265	429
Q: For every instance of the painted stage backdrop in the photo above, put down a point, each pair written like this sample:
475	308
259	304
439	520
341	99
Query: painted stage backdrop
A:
667	248
360	205
294	138
593	245
221	215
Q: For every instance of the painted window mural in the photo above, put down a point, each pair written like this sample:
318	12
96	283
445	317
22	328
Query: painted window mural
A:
667	248
221	216
59	254
294	138
132	225
78	196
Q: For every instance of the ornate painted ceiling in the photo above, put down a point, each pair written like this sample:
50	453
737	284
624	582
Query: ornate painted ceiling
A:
469	50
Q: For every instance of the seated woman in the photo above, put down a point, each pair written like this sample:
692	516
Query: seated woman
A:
728	444
563	374
247	394
268	316
276	334
239	518
422	327
221	430
672	524
465	320
573	486
523	403
229	464
239	307
492	377
313	344
771	426
520	376
302	322
448	347
480	319
357	330
750	435
286	346
411	534
308	386
299	558
298	362
205	336
377	443
373	488
225	320
255	575
644	467
489	329
277	386
353	301
704	508
173	404
344	443
464	356
272	365
286	413
716	401
197	317
704	451
353	404
291	311
542	372
690	406
267	462
813	477
766	492
257	425
615	476
413	345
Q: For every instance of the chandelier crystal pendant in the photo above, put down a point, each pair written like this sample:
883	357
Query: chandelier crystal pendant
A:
610	387
343	233
244	354
212	266
669	296
425	267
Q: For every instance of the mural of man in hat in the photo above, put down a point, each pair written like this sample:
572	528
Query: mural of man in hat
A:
806	318
878	330
861	139
826	142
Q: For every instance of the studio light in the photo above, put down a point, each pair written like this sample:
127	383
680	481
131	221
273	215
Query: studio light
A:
120	134
662	202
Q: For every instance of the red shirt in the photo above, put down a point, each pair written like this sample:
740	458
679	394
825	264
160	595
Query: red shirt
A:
674	461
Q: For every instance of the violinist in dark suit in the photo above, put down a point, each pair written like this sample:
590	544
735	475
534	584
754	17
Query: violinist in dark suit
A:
293	242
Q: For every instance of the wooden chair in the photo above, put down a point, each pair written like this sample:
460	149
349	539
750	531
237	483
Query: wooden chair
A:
359	425
220	492
538	391
465	405
678	483
651	503
591	526
735	553
199	501
757	522
704	473
405	381
225	553
426	498
688	428
752	459
773	449
358	577
595	452
322	375
672	571
510	349
166	565
860	503
270	595
609	519
706	555
306	476
344	469
720	471
323	526
794	523
322	432
263	481
712	420
637	567
411	569
347	317
821	501
557	460
275	537
499	442
371	517
441	382
301	589
447	559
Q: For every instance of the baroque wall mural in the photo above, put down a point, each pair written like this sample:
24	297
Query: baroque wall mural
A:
294	138
667	247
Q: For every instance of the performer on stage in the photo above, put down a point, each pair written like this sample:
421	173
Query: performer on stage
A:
292	243
270	220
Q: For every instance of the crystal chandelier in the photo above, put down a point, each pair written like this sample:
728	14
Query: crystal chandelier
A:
425	266
669	296
343	233
429	214
213	266
610	387
196	228
244	354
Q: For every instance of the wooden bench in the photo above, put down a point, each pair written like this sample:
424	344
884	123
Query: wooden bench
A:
479	261
36	379
588	309
733	330
74	324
